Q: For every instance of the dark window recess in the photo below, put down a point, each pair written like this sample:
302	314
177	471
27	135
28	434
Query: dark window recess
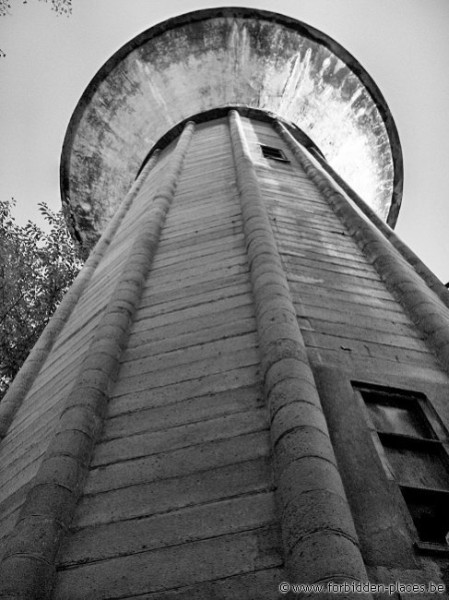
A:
412	450
429	511
273	153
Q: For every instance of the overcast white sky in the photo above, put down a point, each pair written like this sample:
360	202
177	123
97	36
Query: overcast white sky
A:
403	44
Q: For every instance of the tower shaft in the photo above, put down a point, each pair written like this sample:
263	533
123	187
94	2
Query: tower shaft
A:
202	425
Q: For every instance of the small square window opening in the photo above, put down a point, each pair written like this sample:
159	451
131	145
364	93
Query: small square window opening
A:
273	153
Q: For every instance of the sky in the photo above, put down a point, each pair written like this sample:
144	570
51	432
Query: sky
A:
403	44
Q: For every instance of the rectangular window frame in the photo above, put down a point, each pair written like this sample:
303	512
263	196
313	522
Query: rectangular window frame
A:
438	440
272	153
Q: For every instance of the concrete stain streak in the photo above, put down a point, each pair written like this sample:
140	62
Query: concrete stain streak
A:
218	61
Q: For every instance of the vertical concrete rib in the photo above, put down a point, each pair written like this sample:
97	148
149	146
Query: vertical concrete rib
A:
29	562
31	368
422	304
430	278
319	537
425	273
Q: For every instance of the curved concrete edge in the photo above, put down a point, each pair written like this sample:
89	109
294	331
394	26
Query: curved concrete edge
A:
30	370
244	13
28	566
319	536
426	309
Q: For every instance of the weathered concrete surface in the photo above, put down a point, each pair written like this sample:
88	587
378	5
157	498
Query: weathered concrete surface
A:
28	563
355	330
401	279
179	497
222	57
315	517
182	473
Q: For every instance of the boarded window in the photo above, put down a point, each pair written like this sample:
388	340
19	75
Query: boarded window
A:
411	442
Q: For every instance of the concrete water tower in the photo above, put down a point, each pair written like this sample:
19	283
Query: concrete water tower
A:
247	384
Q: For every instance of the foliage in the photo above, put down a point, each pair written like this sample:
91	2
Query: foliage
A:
36	268
60	7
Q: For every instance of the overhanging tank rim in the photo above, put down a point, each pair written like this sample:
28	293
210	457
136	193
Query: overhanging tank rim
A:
246	13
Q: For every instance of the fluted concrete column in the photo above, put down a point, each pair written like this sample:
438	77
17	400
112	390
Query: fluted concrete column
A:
407	253
424	307
30	370
319	537
28	566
